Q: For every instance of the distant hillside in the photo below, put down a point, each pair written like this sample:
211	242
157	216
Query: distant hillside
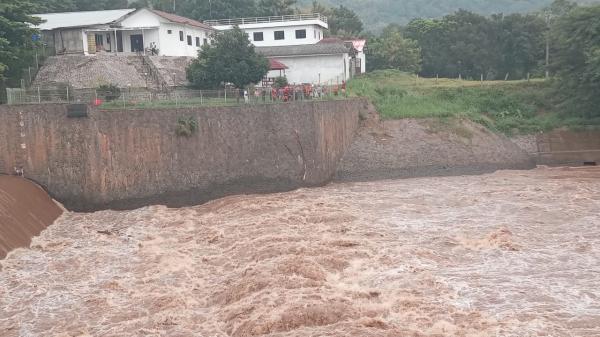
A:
376	14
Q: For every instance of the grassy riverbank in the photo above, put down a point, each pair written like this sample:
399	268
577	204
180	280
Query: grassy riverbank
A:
507	106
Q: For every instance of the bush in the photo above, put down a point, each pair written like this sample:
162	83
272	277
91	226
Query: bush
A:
186	126
109	92
280	82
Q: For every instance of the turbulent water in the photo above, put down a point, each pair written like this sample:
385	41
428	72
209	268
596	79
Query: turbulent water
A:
515	253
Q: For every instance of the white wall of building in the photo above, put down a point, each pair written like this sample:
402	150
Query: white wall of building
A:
314	34
171	45
315	69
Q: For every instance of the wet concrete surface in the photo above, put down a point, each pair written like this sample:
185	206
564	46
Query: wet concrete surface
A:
513	253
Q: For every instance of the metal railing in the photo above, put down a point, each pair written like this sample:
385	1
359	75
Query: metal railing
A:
140	98
266	19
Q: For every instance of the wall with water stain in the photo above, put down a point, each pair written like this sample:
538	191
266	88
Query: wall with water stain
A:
127	159
561	147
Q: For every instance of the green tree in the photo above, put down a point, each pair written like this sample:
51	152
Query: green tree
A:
230	58
344	22
276	7
576	60
393	51
16	32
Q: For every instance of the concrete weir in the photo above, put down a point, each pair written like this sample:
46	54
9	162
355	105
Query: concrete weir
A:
25	210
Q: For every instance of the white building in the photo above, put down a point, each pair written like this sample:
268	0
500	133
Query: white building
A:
319	63
286	30
124	31
297	42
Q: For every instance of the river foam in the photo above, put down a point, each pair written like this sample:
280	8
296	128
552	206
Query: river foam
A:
514	253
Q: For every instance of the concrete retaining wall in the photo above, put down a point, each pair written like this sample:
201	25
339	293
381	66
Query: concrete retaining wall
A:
562	147
127	159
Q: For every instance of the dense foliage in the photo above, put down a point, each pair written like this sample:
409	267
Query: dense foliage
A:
376	14
576	60
470	45
16	37
230	58
392	50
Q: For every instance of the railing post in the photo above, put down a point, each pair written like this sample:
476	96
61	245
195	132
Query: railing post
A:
67	94
201	98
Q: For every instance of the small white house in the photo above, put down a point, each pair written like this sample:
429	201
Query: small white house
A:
320	63
124	31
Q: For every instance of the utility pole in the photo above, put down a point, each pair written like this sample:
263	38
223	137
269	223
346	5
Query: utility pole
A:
548	27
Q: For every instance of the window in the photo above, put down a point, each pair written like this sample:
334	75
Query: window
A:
301	34
258	36
189	40
180	35
205	41
197	41
279	35
169	32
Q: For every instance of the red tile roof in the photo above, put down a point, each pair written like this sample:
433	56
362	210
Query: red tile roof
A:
181	19
276	65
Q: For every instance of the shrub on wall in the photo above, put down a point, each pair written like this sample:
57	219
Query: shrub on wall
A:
109	92
186	126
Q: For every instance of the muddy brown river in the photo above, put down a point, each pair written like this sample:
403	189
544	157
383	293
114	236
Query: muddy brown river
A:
514	253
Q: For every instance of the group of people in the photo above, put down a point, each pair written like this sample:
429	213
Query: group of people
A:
296	92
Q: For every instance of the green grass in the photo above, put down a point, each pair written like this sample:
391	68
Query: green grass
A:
193	102
506	106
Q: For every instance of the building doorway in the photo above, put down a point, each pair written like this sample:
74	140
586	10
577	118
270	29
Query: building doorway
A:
137	43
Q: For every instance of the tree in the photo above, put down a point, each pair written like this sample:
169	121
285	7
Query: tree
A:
230	58
344	22
576	60
393	51
16	34
276	7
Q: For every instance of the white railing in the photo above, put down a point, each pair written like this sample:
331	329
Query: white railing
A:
266	19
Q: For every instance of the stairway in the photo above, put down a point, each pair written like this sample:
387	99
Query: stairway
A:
154	80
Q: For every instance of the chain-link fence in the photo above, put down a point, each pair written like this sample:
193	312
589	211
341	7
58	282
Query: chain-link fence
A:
141	98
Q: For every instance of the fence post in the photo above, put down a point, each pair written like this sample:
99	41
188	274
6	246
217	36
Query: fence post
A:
29	74
201	98
225	95
39	96
123	98
67	94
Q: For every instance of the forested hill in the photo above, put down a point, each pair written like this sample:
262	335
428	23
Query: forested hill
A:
376	14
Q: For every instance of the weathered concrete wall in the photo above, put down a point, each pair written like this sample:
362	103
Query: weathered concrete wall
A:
562	147
126	159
